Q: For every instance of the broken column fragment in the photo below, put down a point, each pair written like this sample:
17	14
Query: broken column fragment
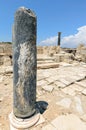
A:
24	64
59	38
24	60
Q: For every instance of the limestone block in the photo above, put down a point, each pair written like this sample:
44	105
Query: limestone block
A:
78	105
49	127
48	88
7	60
68	122
66	102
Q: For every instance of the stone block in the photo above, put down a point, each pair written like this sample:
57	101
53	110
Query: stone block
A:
82	83
48	65
48	88
66	102
68	122
59	84
49	127
78	105
84	92
69	91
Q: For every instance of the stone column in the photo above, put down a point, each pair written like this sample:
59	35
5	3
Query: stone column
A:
24	69
59	38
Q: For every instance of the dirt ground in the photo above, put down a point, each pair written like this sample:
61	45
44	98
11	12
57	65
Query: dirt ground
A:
5	100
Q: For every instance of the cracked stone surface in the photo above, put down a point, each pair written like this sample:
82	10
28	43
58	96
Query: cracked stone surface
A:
64	101
68	122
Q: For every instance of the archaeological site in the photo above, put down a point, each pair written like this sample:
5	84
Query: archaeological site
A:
41	87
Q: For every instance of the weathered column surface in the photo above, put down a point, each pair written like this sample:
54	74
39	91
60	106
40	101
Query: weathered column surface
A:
24	63
59	38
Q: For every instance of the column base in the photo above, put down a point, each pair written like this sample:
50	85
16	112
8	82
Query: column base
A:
19	124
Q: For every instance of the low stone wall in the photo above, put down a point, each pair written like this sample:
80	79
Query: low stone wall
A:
6	48
48	50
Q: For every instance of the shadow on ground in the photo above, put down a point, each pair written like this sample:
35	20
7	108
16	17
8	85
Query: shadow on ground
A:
41	106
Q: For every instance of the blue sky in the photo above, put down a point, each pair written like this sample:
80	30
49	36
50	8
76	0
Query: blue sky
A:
67	16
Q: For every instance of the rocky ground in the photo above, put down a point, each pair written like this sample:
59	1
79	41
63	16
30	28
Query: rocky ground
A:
61	96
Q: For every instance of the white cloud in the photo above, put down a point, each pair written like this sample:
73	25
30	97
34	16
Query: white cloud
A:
68	41
49	41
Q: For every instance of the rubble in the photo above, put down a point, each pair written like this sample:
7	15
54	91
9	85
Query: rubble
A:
81	53
5	54
47	54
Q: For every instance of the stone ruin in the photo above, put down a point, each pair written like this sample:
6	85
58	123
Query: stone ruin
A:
59	54
81	53
25	113
5	54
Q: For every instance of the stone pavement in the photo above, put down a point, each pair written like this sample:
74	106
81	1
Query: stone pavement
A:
61	96
64	90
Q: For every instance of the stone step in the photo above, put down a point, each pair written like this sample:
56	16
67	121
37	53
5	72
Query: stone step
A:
47	65
44	58
45	61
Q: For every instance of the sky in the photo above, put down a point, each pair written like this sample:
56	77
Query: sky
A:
53	16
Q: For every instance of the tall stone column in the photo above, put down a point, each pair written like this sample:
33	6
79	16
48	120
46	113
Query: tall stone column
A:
59	38
24	70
